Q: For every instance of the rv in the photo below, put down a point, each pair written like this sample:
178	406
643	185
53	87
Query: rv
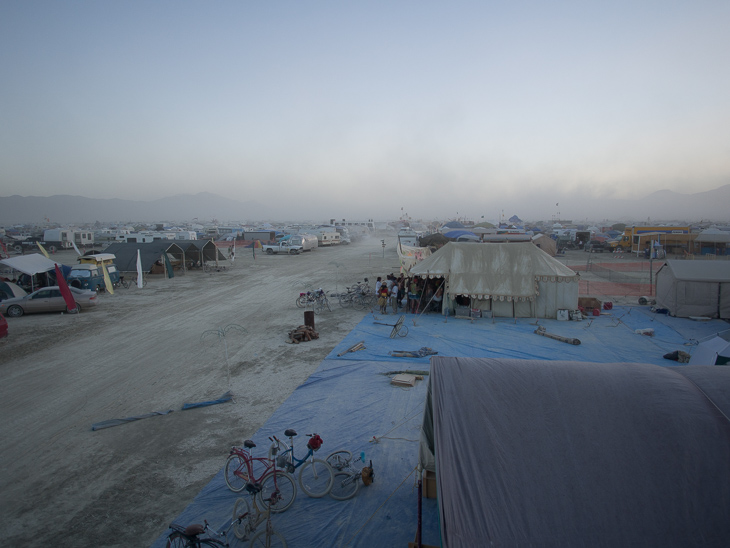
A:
326	238
136	238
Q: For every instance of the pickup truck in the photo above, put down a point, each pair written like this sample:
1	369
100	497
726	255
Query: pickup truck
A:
282	247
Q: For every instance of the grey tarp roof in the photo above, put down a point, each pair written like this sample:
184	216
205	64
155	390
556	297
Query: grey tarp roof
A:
34	263
192	249
494	269
713	236
699	271
535	453
126	253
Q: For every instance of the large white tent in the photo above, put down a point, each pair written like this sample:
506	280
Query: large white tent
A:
506	279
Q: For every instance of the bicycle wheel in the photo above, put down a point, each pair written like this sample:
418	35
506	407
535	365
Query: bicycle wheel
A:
241	520
236	473
339	460
345	486
268	539
358	303
345	299
287	491
316	478
301	300
176	540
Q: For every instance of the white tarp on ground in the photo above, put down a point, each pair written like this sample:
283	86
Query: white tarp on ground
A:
30	264
694	288
516	278
535	453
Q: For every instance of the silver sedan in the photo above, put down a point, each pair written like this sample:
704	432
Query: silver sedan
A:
47	299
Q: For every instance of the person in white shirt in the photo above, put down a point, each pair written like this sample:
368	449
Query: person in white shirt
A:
394	298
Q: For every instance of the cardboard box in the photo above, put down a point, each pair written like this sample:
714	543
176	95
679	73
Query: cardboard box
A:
429	484
462	312
589	303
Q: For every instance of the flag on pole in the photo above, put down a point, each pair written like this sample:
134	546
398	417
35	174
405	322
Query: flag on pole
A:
43	250
168	266
76	248
65	291
107	280
140	279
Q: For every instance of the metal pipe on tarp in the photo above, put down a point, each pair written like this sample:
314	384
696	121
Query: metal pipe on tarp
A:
542	331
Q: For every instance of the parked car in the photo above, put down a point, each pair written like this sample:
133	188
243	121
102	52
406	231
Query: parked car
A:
595	246
3	327
47	299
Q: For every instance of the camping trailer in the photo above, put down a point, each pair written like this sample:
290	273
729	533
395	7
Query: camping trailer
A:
307	241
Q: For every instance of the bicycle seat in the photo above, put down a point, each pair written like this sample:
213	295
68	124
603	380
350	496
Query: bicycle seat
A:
194	530
249	444
290	432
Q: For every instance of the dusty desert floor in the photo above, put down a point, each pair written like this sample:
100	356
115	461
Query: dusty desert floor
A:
148	350
152	350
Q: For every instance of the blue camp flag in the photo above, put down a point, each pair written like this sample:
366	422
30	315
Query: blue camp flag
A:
168	266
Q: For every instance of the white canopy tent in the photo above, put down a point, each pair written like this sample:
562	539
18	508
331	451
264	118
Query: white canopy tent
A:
30	265
508	279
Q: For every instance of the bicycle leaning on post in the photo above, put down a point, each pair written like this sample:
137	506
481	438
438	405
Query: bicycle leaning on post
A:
315	475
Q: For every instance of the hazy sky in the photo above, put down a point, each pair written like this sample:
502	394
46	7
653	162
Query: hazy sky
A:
356	109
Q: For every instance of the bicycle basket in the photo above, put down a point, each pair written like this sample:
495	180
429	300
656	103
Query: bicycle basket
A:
314	443
368	476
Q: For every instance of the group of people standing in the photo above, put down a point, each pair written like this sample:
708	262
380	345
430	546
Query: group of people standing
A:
392	291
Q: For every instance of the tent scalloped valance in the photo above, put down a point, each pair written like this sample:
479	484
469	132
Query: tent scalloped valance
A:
487	297
557	279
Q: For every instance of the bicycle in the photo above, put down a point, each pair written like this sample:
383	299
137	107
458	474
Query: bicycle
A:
359	295
239	472
317	299
131	283
189	537
315	476
245	522
346	476
321	302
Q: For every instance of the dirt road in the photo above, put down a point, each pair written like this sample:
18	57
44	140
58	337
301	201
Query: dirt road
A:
141	351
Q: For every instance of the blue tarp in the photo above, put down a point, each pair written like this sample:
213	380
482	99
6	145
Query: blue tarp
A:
351	403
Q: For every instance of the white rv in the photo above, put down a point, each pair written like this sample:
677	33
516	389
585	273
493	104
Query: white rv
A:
325	239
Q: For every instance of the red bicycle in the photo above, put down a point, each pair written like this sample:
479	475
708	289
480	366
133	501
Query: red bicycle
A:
242	470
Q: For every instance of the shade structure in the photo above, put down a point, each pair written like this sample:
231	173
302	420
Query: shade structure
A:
534	453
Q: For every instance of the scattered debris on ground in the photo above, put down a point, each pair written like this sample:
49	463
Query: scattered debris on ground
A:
303	333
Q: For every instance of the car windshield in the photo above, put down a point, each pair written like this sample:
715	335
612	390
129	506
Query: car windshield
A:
80	274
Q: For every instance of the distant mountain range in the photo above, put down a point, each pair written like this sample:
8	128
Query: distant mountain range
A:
661	206
65	209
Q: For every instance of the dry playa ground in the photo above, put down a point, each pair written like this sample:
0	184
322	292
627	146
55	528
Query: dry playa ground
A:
141	351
